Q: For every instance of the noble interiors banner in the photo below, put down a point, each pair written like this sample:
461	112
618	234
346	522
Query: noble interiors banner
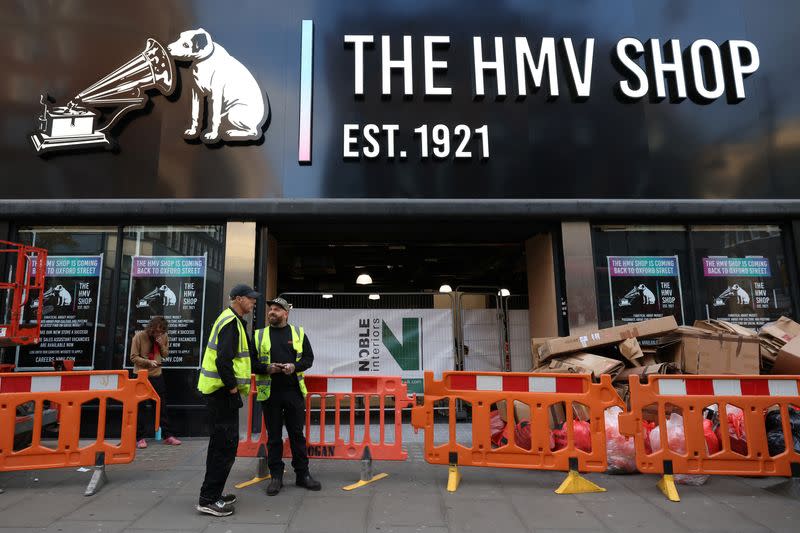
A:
69	313
172	287
390	342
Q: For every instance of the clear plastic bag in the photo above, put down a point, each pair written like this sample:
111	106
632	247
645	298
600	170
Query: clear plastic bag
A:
620	450
676	441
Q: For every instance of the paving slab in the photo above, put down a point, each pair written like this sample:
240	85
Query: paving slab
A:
392	508
87	526
465	516
333	514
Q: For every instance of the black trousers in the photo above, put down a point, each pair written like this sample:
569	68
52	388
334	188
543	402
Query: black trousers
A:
145	420
223	420
286	406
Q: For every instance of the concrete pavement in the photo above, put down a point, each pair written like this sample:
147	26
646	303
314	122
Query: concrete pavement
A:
158	492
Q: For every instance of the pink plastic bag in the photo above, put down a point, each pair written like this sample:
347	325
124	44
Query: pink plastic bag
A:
620	450
496	426
522	434
676	441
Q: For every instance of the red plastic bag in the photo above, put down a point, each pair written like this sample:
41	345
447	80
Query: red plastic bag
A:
647	427
620	450
736	432
582	432
712	442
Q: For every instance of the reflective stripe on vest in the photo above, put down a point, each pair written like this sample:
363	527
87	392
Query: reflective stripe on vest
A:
264	344
209	380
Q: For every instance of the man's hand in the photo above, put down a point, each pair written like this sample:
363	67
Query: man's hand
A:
288	368
234	390
274	368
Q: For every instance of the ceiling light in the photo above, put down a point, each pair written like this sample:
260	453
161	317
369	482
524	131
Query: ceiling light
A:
503	292
327	296
374	296
363	279
445	288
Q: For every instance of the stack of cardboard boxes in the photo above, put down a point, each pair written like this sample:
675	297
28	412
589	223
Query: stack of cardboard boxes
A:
660	346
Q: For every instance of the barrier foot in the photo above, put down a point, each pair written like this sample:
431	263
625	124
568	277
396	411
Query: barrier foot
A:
263	474
667	486
791	487
576	483
453	475
366	472
667	483
99	477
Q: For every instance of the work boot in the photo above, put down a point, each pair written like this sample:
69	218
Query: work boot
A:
308	482
275	486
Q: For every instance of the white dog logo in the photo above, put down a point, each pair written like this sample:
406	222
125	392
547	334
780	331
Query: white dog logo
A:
236	105
163	295
62	295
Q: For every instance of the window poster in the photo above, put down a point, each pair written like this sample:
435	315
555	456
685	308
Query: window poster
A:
739	290
644	287
172	287
69	314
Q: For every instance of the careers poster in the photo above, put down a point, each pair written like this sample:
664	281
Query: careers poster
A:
69	313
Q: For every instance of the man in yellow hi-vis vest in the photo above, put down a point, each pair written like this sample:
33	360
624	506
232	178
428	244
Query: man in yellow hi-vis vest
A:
284	353
224	376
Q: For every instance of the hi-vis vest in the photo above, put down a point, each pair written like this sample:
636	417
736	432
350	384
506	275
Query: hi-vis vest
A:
263	342
209	377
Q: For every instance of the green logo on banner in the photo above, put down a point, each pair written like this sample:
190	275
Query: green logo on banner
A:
406	353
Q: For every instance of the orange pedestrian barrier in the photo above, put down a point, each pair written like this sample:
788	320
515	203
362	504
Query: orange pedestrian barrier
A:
742	403
56	399
531	443
344	430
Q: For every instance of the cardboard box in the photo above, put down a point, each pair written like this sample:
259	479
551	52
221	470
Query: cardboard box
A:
557	413
604	337
700	352
582	363
660	368
535	343
630	350
522	411
788	360
784	329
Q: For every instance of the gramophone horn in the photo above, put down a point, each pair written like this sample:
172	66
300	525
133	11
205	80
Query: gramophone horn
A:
152	68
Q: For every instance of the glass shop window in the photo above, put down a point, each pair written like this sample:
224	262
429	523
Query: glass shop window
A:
640	273
167	271
741	273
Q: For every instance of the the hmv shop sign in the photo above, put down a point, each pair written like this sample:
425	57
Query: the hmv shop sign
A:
226	97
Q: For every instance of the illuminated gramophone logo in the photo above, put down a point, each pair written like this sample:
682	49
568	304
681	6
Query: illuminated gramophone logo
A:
75	125
237	108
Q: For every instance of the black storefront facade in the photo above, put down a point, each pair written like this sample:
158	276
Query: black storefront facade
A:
639	160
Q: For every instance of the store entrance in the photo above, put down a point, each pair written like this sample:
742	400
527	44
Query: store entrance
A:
464	288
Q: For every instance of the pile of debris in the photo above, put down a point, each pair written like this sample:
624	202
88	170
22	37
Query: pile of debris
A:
660	346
